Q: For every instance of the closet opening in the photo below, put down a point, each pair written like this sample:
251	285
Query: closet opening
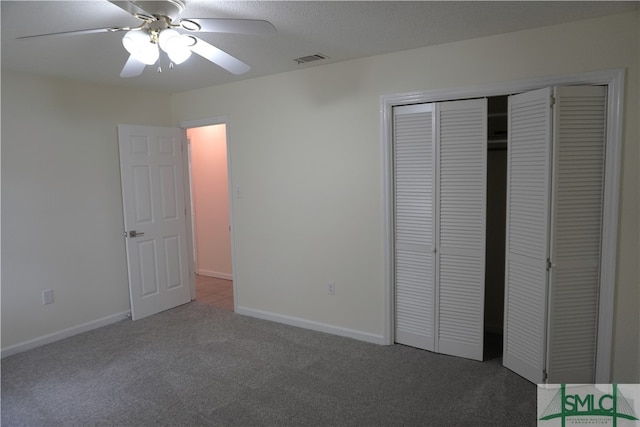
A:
495	226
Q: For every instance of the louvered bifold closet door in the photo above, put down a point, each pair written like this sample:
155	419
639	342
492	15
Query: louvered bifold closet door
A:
414	225
579	138
462	175
527	232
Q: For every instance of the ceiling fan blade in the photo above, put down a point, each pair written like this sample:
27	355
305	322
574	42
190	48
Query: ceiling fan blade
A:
78	32
237	26
132	68
219	57
131	8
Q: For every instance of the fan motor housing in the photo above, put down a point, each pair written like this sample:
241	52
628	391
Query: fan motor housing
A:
170	8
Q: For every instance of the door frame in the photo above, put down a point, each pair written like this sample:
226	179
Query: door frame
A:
208	121
614	80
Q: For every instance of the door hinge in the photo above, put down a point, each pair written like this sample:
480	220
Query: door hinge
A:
545	376
553	101
549	264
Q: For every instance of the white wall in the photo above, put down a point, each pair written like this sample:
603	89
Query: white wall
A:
305	149
62	223
209	183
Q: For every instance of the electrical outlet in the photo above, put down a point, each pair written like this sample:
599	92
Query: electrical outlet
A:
47	296
331	287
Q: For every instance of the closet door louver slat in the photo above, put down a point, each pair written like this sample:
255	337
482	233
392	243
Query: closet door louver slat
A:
527	232
414	225
579	136
462	159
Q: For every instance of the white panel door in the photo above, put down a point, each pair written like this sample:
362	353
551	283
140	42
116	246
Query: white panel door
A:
413	128
578	177
527	232
154	218
461	226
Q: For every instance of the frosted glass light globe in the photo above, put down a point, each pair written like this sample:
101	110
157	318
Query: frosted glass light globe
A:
178	49
140	46
164	36
149	55
134	40
176	46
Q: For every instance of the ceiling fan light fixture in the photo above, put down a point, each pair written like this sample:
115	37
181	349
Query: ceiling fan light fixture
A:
140	46
164	36
149	55
132	40
175	45
180	52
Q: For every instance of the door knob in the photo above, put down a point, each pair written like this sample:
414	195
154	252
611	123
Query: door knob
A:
134	233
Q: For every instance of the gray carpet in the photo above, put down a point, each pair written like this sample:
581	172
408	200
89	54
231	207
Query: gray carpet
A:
196	365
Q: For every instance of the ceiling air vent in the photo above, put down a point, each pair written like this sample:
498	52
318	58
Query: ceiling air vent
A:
310	58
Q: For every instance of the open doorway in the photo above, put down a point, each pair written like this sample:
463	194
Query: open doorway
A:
209	178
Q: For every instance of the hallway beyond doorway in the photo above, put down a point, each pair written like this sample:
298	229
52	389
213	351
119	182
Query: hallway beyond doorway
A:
215	292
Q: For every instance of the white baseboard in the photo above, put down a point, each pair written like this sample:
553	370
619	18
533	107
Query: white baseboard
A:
215	274
65	333
310	324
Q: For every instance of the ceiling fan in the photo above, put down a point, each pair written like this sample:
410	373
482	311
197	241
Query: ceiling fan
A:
159	32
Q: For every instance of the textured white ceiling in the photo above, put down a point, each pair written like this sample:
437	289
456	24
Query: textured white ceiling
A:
340	30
